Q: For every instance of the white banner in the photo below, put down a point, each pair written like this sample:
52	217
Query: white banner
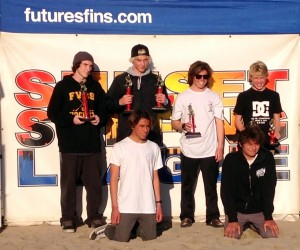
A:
32	64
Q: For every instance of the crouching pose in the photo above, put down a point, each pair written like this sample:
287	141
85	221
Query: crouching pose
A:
248	187
134	165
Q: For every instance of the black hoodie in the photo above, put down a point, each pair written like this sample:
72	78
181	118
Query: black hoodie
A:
65	103
248	189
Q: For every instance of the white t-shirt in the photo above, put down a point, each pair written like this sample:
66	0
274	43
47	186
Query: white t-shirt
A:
207	106
137	161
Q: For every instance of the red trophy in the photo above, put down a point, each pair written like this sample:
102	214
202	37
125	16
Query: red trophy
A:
128	92
160	83
192	134
273	140
84	100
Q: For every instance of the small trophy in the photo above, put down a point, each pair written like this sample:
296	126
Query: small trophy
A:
192	134
128	85
273	141
160	83
84	100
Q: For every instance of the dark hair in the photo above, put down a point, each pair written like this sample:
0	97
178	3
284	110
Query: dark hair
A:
76	66
195	68
251	133
136	116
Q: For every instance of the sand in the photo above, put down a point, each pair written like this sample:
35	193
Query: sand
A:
199	236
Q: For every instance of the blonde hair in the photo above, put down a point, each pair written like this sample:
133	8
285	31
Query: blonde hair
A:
258	67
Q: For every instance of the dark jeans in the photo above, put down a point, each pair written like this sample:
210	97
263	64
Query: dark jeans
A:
75	168
190	169
122	231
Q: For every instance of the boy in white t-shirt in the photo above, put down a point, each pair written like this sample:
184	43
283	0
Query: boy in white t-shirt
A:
134	184
198	116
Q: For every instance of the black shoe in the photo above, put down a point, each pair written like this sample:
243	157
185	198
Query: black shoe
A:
215	223
68	227
187	222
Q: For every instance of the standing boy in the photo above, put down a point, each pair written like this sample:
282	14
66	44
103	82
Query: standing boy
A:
199	110
259	104
79	140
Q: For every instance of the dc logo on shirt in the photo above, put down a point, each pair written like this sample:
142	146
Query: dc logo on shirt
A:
260	172
260	108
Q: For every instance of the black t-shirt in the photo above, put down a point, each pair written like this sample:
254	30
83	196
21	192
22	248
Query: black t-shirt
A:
258	106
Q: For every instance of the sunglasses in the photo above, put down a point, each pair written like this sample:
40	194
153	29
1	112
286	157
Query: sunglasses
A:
200	76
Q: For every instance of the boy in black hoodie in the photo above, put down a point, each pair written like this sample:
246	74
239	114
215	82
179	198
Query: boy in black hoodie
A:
78	121
248	187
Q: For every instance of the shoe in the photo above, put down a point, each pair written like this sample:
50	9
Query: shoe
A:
98	233
68	227
215	223
97	223
187	222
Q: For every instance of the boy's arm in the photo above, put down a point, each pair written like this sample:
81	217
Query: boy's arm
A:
156	187
220	138
239	123
276	119
114	179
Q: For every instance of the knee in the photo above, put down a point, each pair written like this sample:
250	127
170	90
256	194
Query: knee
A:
267	234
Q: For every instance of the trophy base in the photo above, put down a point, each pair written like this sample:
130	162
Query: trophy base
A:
274	144
127	111
189	135
86	119
157	108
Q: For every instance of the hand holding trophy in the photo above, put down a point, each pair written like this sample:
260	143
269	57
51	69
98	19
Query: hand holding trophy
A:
273	140
160	84
128	86
84	100
192	133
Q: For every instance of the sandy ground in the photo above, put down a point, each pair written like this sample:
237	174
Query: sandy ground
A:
199	236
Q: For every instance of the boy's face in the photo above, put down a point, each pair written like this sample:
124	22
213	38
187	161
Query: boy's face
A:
85	68
250	149
259	81
141	63
200	81
141	130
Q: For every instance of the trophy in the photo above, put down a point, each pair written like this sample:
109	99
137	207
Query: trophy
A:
84	100
160	83
273	141
128	86
192	134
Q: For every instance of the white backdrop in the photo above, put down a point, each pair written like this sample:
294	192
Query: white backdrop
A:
32	64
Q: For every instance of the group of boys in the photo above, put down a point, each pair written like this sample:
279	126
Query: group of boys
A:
136	156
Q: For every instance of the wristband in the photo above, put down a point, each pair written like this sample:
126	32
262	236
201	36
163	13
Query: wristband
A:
160	201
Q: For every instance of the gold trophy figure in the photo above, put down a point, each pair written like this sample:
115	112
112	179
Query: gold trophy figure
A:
192	134
160	83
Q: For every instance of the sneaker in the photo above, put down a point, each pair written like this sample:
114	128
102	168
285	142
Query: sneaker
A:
68	227
98	233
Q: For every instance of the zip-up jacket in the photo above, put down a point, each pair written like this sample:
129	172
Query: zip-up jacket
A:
248	189
143	89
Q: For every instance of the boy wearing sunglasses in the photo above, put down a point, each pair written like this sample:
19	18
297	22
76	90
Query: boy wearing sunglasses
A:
198	116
